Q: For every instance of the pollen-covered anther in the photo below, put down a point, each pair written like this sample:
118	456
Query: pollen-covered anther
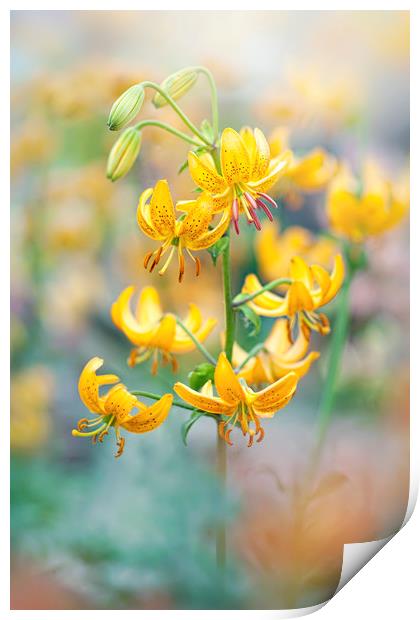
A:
102	435
82	424
147	259
181	267
120	447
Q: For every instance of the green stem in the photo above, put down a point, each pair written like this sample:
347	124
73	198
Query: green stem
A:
258	347
197	343
227	291
153	396
339	337
172	130
178	110
243	299
214	103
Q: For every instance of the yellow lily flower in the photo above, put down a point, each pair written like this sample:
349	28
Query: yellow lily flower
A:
311	287
114	408
275	249
154	332
238	402
279	356
156	218
310	173
378	207
248	171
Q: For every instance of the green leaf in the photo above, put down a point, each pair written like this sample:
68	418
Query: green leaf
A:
200	375
218	248
328	484
251	320
183	167
207	130
187	426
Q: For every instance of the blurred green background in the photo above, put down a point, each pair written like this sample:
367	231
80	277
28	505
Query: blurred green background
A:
92	532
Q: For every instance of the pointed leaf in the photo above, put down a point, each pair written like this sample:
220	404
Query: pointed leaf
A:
251	320
218	248
187	426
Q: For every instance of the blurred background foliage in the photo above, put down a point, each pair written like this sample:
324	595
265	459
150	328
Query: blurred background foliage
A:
89	531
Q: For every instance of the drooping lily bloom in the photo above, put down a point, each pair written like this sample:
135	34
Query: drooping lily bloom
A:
279	356
156	218
311	288
114	408
237	402
152	331
358	210
308	173
247	172
274	249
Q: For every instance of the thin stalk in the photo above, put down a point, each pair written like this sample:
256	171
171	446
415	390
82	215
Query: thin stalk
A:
170	129
153	396
214	103
178	110
227	291
339	337
254	351
197	343
243	299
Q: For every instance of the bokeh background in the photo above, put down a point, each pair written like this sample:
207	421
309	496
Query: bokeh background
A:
92	532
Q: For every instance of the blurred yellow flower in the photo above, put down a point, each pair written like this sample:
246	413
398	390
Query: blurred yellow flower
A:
31	393
279	356
154	332
274	250
114	408
237	401
156	218
32	144
373	206
310	288
247	171
305	174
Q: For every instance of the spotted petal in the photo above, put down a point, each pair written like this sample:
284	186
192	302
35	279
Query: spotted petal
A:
211	404
234	157
204	175
226	382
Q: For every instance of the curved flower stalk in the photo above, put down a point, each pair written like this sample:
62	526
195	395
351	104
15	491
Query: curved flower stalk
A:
248	171
359	210
114	409
274	249
154	332
190	232
237	402
310	288
305	174
277	356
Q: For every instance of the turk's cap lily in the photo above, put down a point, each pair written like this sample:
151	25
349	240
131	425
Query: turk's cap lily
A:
126	107
280	355
358	209
152	331
247	172
311	287
176	85
115	407
157	219
236	402
123	154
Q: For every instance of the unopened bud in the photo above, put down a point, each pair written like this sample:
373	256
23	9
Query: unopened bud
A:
123	154
126	107
176	85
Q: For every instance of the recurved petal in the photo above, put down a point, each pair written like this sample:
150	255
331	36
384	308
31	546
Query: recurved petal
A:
279	340
149	418
124	319
277	167
211	236
183	344
226	382
262	156
266	304
236	165
196	222
276	395
119	403
162	212
211	404
143	215
149	310
298	298
337	279
204	175
301	367
164	336
89	385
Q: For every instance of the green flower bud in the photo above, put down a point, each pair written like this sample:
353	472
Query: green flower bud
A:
123	154
176	85
126	107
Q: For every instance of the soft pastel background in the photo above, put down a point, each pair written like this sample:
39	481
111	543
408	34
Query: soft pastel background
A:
92	532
